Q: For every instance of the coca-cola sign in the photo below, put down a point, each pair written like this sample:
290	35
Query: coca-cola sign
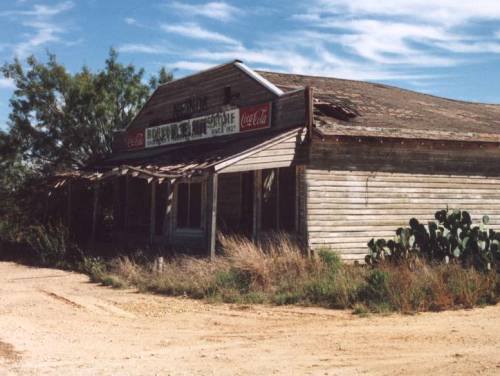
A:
216	124
135	139
255	117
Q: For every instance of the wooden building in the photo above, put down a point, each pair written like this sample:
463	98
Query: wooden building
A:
335	162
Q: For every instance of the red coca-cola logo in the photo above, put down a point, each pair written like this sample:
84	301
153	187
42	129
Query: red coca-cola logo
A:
254	117
135	139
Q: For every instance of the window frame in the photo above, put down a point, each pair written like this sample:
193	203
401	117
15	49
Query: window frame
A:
188	230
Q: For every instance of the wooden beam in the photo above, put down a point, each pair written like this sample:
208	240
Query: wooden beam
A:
309	111
152	213
278	224
69	206
257	204
212	214
126	208
167	223
95	210
297	200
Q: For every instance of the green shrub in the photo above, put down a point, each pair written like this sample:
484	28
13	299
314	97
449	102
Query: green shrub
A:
375	292
113	281
288	297
52	246
331	259
94	267
233	279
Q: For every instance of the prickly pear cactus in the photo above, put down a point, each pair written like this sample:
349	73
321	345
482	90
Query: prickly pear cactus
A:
451	238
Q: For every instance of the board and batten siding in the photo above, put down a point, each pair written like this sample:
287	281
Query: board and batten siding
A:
348	207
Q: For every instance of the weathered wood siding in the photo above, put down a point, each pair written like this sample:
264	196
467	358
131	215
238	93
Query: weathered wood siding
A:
210	84
288	152
289	110
356	191
229	201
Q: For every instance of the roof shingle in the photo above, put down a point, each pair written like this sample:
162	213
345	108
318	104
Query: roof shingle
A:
362	108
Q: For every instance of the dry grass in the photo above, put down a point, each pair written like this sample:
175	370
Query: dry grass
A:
277	272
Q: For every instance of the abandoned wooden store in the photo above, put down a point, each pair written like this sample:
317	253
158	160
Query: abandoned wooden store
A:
332	162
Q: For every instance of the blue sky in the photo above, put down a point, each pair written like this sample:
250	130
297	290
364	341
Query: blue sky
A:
448	48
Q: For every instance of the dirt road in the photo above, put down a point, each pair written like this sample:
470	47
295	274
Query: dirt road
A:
57	323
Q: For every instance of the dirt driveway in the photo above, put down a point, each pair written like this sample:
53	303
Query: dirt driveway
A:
57	323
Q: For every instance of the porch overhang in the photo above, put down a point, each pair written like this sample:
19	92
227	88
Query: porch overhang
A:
199	159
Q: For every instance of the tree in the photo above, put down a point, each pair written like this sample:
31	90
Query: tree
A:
63	120
164	76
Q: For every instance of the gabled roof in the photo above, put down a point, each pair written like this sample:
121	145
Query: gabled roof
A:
355	108
175	84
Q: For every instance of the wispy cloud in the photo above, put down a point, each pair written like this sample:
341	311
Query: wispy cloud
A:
153	49
409	32
317	60
41	11
217	10
365	39
444	12
44	33
40	20
6	83
195	31
191	65
130	21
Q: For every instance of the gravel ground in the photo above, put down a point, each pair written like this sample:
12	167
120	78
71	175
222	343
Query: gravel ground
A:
57	323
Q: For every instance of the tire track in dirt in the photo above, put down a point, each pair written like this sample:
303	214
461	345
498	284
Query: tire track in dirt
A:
61	298
9	353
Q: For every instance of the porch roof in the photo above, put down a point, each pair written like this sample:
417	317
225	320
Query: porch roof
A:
177	161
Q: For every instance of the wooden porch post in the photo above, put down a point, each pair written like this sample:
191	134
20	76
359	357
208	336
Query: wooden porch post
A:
69	207
152	214
95	209
212	214
278	224
167	223
126	208
297	199
257	204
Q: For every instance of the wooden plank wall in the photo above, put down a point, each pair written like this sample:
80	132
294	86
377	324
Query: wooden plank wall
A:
287	152
289	110
210	84
355	192
229	201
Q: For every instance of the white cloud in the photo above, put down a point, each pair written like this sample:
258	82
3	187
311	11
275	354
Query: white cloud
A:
45	32
41	11
6	83
447	12
195	31
315	61
191	65
404	34
153	49
130	21
39	19
217	10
